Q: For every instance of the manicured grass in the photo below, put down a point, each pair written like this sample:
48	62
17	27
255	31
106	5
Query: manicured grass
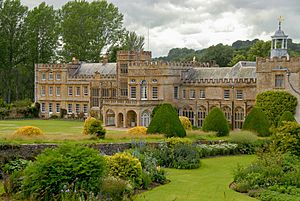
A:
208	183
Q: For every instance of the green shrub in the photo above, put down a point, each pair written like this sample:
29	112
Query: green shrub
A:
69	166
243	137
216	121
63	113
173	141
286	116
185	157
275	103
87	124
116	189
287	138
125	166
95	128
186	123
258	122
166	121
28	131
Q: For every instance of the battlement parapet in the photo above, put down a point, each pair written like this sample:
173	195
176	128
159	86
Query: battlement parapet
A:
51	65
221	81
167	64
277	59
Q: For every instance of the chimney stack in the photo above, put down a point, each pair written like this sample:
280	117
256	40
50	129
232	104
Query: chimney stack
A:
105	59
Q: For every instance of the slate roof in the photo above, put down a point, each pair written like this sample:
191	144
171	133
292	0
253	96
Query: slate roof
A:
243	69
91	68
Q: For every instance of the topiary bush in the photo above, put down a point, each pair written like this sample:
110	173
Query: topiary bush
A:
28	131
87	124
138	130
125	166
186	123
95	128
166	121
275	103
72	167
286	116
216	121
258	122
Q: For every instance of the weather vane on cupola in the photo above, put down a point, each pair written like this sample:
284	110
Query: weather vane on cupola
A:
279	42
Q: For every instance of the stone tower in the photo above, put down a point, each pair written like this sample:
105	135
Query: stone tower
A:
279	43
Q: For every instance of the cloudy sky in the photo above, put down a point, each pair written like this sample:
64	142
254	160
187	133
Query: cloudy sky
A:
198	24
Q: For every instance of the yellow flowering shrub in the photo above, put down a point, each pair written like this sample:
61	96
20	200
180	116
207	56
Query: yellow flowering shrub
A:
28	131
87	124
138	130
125	166
186	123
178	140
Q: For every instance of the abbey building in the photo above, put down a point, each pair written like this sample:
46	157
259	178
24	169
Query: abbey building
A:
125	92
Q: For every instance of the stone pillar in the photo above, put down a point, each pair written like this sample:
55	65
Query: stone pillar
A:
138	118
125	119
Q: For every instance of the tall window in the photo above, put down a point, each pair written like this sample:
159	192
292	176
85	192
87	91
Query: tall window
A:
114	92
57	107
238	118
85	91
43	107
279	81
227	113
189	114
58	76
95	97
145	119
133	92
77	108
70	108
124	89
226	94
50	107
192	94
43	76
155	92
85	108
201	116
50	91
202	94
105	92
124	68
43	90
57	91
50	76
176	92
239	94
77	91
183	93
144	90
70	91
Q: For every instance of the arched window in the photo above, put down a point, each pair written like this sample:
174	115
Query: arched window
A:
110	118
227	113
189	113
143	90
201	116
145	118
238	118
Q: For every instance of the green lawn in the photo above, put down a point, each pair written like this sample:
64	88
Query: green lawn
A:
208	183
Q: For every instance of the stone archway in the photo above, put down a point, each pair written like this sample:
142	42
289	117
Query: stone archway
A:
120	120
238	117
131	118
201	115
110	118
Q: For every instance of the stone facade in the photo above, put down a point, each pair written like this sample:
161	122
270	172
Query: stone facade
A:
125	92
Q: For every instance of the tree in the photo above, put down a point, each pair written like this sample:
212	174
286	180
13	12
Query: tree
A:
88	27
275	103
257	121
236	59
220	53
259	49
133	42
13	51
166	121
286	116
216	121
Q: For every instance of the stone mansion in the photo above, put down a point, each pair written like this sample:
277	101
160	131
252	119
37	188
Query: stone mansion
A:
125	92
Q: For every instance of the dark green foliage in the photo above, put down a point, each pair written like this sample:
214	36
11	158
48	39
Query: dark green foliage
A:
166	121
216	121
95	128
69	167
287	138
185	156
286	116
258	122
275	103
62	113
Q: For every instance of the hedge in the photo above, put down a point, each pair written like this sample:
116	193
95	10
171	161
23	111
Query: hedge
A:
258	122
